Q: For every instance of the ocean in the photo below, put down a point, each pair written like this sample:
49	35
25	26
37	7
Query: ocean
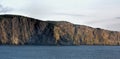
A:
60	52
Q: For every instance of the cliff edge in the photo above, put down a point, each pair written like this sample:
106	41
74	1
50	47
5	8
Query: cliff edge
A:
21	30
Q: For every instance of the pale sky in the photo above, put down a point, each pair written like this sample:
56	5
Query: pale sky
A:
95	13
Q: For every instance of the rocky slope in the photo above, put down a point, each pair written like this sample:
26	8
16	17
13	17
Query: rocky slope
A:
20	30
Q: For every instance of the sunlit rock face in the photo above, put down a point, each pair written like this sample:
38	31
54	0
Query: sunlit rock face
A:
20	30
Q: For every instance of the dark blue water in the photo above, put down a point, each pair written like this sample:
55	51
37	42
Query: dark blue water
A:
59	52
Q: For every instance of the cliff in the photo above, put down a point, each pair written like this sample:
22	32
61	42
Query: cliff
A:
21	30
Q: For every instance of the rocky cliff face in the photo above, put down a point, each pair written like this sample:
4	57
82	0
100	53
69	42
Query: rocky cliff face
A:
20	30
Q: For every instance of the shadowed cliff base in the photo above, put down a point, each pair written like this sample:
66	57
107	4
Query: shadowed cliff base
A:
21	30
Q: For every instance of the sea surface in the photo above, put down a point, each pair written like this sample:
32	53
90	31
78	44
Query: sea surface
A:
59	52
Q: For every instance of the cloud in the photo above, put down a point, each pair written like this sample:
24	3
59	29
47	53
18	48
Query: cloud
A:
110	24
115	27
105	21
4	9
69	14
117	17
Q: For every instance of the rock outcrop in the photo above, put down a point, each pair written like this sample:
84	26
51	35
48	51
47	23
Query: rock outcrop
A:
20	30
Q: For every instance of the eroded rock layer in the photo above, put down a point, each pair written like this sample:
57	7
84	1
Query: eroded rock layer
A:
20	30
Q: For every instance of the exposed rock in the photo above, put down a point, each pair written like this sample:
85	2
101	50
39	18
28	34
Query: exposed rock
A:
20	30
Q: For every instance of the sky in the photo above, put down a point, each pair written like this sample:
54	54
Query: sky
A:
95	13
